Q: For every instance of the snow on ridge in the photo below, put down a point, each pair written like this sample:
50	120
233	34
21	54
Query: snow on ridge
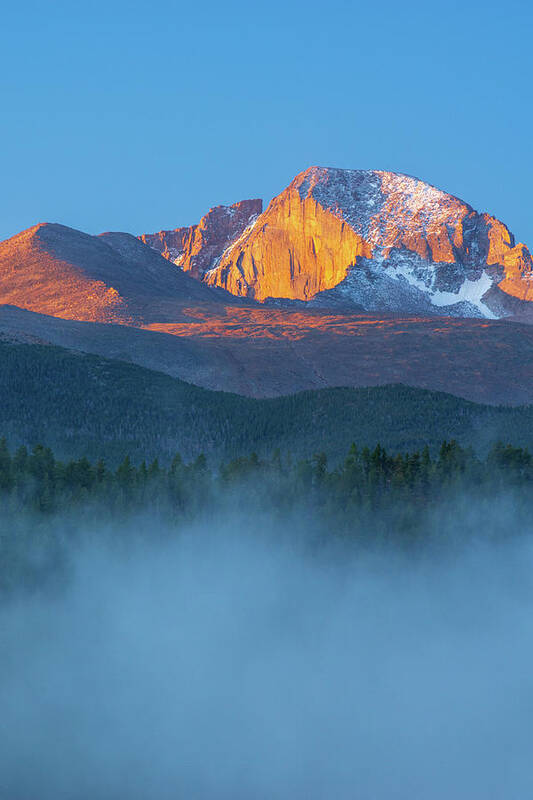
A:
413	202
352	195
382	207
374	201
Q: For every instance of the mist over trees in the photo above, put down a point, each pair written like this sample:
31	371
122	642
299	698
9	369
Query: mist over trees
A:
36	481
371	498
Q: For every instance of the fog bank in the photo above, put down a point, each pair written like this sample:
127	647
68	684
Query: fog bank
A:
236	666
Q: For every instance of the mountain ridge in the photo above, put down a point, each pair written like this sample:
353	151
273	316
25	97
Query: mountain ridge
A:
330	225
383	319
111	278
369	240
372	239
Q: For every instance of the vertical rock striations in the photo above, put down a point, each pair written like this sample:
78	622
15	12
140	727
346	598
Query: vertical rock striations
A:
379	240
196	249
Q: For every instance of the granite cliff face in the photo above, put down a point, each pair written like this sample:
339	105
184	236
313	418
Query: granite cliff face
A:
379	241
294	250
198	248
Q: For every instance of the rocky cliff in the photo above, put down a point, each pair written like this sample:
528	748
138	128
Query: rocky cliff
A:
377	240
197	249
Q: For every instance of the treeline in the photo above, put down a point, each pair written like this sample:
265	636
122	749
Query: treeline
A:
369	480
372	498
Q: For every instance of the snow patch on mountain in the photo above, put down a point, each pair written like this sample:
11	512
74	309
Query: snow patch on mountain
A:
470	292
466	290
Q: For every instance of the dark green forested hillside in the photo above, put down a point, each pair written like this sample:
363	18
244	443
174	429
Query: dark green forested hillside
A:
84	405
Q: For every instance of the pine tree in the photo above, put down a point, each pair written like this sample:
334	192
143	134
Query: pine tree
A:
6	473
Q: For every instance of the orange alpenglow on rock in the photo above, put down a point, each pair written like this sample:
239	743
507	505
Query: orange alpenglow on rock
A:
36	273
55	270
358	239
196	248
516	260
331	224
294	250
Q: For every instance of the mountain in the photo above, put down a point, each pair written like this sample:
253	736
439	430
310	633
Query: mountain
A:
56	270
372	240
112	409
193	303
196	249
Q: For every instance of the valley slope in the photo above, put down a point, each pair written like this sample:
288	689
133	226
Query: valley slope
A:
271	352
112	409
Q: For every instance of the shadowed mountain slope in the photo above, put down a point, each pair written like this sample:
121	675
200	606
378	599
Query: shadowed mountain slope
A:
112	409
264	352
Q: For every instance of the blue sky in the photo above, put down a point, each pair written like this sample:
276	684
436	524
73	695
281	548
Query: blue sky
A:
136	116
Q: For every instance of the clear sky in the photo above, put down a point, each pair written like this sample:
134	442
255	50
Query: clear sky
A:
140	116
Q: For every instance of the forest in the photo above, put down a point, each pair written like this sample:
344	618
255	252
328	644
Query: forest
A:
87	406
92	442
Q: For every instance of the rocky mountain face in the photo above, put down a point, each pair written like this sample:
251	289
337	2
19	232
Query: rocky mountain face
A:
56	270
370	239
198	248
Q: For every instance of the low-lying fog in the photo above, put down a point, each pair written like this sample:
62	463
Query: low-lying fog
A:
236	665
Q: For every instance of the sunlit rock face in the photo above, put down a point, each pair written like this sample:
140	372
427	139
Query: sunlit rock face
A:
377	240
296	249
198	248
40	270
56	270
